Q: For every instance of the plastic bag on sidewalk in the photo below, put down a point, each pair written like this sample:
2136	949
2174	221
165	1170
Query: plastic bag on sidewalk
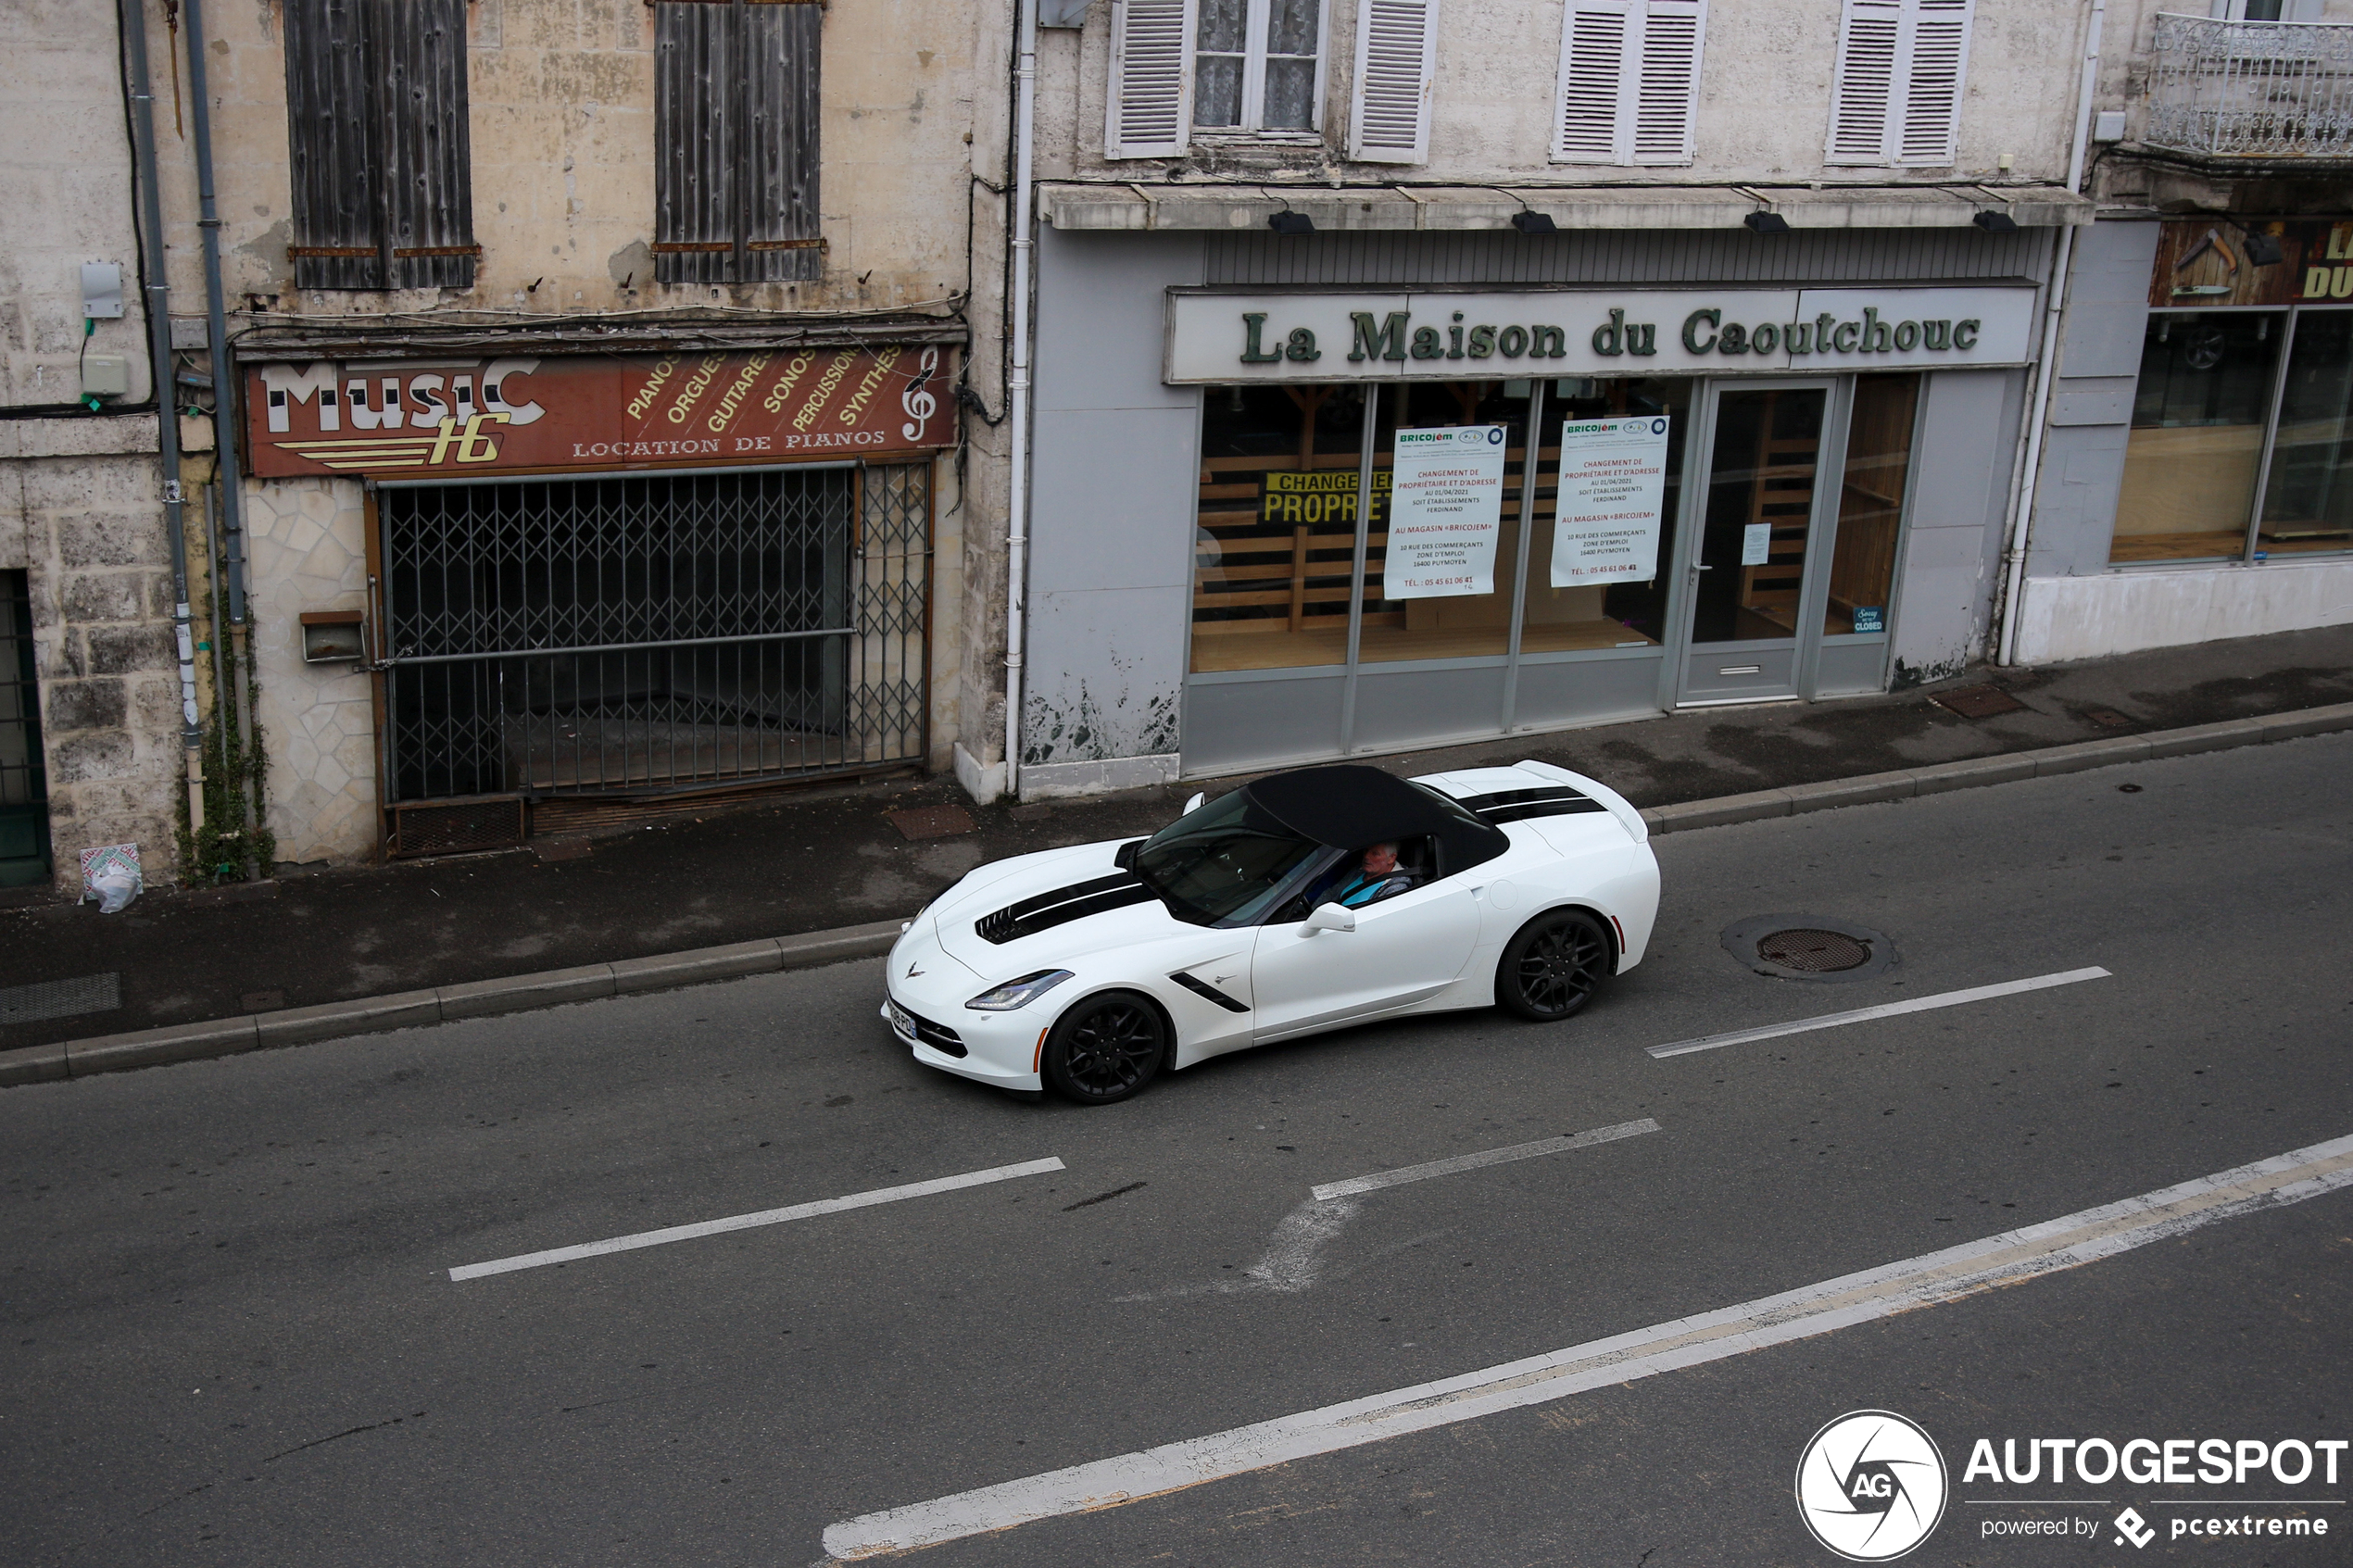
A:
110	874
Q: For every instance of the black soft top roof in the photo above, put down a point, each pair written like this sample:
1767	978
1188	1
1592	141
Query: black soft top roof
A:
1350	806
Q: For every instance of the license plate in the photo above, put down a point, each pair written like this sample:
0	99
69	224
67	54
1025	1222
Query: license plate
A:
900	1020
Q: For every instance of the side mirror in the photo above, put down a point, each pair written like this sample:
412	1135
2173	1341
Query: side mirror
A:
1328	917
1194	803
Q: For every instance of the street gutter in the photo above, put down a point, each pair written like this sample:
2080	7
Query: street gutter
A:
521	993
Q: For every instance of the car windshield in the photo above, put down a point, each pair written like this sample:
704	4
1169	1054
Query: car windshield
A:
1227	863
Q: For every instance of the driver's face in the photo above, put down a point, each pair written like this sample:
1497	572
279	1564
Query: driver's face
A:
1380	860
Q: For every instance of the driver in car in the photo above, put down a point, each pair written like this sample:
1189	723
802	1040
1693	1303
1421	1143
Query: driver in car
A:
1378	876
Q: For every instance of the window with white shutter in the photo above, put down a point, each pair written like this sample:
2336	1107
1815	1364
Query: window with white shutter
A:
1150	112
1628	81
1396	49
1896	94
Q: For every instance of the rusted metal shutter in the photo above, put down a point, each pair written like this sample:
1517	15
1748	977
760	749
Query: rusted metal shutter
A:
736	141
377	124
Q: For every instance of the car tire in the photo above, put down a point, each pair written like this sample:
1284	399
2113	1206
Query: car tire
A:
1105	1048
1553	966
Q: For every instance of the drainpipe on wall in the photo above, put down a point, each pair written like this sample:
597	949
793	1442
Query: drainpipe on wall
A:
224	401
237	695
1017	391
2047	370
133	23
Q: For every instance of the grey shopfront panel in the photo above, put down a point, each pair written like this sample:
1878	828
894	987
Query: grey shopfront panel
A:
1117	455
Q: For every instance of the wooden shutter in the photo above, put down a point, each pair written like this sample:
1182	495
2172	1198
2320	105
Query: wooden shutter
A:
1938	59
736	148
1666	80
1896	94
378	137
1589	95
1628	81
1148	111
427	174
1396	51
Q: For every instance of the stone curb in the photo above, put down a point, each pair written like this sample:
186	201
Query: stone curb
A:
480	998
483	998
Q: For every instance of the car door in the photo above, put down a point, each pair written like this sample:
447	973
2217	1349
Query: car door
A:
1404	949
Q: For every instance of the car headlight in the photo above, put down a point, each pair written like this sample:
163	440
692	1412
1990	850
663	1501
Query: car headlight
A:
1018	993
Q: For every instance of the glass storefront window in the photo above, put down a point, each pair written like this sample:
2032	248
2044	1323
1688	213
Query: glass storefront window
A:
2196	441
2308	500
1619	614
1870	503
1471	625
1274	536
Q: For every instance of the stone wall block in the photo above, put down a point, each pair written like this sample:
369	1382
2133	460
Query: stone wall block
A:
123	650
110	596
85	705
103	754
157	701
110	539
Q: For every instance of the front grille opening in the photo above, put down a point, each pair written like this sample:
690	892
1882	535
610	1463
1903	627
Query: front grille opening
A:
938	1036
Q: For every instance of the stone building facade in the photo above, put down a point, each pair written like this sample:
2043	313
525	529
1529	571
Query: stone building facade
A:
90	749
2195	480
654	215
1556	206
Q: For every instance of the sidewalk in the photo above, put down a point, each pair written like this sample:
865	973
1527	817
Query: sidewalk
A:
828	859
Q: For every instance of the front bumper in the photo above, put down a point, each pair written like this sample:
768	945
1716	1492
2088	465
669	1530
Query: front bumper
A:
1006	1057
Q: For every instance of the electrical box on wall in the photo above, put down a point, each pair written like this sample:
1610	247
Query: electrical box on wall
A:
1062	12
333	636
2109	126
101	291
105	375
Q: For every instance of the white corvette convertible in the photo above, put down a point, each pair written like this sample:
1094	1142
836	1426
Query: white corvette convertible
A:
1301	902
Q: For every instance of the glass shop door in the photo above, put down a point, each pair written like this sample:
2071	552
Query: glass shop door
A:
1763	518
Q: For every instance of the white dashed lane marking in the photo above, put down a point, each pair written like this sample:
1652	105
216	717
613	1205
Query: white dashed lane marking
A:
749	1222
1888	1009
1399	1177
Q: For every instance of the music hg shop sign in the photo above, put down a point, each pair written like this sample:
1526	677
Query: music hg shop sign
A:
416	419
1341	336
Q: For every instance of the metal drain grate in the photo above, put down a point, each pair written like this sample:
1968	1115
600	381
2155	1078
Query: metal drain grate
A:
60	998
1815	952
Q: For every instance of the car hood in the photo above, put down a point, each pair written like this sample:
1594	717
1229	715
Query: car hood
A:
1046	910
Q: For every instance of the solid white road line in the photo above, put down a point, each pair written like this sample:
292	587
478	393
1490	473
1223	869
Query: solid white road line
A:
1399	1177
1889	1009
749	1222
1928	1280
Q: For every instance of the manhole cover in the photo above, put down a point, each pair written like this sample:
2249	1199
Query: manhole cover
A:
931	821
1818	948
1977	702
1816	952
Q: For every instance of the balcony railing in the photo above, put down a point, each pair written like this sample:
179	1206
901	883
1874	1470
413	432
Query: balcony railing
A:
2252	90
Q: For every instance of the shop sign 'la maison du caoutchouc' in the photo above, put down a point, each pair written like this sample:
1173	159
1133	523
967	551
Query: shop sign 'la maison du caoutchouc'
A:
1222	338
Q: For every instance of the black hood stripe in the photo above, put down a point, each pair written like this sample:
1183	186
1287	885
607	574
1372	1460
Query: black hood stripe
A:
1518	805
1043	911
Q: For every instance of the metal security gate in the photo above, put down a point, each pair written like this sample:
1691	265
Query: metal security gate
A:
637	636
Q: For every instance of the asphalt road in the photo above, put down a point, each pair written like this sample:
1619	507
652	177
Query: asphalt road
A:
231	1335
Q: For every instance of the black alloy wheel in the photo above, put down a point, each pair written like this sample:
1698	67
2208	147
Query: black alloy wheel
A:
1553	966
1106	1049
